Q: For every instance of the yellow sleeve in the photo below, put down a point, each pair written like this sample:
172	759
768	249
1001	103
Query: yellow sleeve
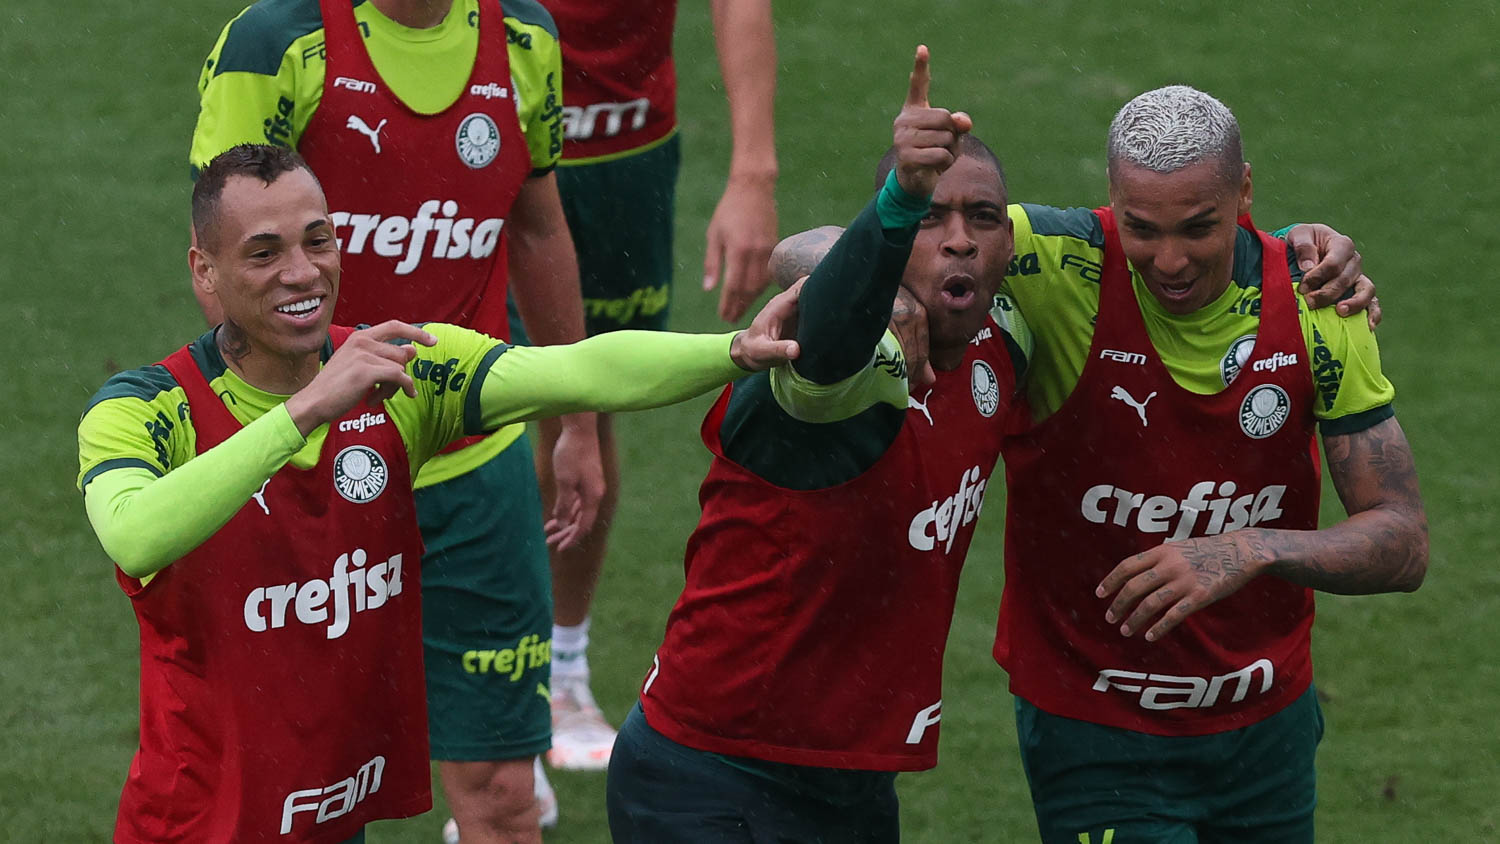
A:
247	95
882	381
447	376
609	373
145	519
1345	361
536	66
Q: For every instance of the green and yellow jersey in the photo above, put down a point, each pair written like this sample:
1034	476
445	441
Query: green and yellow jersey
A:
152	498
263	80
1054	280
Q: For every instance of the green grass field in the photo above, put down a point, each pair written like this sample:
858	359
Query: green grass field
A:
1380	119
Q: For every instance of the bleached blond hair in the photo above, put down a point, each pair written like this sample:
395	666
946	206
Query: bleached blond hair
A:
1174	127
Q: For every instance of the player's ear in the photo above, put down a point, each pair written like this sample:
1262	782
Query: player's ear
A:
1247	192
204	273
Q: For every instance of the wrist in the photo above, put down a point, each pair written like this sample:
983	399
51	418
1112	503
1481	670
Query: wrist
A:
760	175
897	207
304	413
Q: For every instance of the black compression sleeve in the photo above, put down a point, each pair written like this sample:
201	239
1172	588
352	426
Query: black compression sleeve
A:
846	302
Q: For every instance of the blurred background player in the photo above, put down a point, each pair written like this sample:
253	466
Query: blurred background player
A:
618	178
802	665
1163	678
216	478
434	127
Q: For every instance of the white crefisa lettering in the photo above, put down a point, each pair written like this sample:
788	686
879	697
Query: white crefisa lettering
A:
942	521
453	237
1183	692
353	588
1275	362
1183	518
489	91
333	801
365	420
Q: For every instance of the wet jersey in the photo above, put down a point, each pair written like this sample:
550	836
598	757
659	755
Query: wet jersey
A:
1130	460
798	642
282	696
619	83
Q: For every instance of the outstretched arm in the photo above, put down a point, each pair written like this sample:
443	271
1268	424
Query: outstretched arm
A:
1381	547
628	370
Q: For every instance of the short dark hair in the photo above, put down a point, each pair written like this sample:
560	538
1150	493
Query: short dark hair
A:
968	146
262	161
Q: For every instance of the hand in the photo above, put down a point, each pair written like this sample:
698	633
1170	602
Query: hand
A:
926	138
367	366
1331	266
764	344
1172	581
909	324
578	479
741	234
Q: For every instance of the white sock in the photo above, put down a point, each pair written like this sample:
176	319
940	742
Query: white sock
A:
570	647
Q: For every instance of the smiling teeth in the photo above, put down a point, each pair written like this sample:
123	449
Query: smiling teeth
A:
301	307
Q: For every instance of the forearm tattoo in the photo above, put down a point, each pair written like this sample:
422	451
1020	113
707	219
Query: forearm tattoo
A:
796	256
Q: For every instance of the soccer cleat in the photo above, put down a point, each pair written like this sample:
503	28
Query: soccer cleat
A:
546	802
581	738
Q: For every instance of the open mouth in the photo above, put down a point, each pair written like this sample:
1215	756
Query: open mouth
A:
958	290
302	309
1177	291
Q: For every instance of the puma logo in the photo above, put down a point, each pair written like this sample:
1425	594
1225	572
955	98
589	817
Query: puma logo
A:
922	406
360	126
260	497
1140	406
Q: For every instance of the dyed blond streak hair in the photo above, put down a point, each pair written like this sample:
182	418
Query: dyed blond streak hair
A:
1171	128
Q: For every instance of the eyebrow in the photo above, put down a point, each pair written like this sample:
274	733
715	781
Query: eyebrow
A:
980	203
272	237
1200	217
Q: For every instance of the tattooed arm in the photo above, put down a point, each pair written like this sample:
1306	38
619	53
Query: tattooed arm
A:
1381	547
795	257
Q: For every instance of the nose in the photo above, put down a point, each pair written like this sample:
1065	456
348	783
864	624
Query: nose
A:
1170	258
299	269
958	241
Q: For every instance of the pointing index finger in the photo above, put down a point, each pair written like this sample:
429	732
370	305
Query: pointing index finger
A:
921	79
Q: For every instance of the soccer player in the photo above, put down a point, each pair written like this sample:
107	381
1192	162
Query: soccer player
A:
801	667
254	489
1162	538
435	127
618	177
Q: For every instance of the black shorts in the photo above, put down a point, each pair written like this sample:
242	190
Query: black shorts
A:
662	792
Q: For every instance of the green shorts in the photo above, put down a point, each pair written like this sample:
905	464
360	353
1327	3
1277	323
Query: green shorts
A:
662	792
1092	784
487	612
621	215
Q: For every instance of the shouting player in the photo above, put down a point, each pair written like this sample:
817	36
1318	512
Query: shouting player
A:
836	516
1162	538
618	178
435	127
254	489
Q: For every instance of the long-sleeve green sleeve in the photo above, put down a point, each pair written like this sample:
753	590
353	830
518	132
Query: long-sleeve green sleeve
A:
618	371
144	522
